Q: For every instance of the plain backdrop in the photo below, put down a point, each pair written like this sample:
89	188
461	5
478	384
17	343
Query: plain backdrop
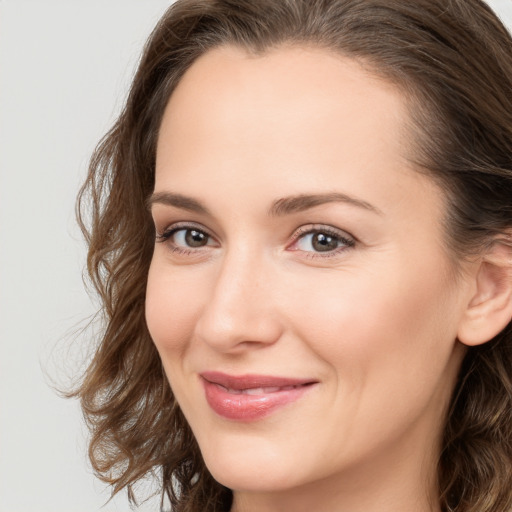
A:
64	70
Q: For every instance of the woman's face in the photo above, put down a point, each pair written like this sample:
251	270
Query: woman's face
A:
300	295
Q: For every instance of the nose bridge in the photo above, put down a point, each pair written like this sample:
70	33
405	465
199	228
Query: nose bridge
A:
240	311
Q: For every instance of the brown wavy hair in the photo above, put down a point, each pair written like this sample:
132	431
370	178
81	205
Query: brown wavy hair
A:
453	61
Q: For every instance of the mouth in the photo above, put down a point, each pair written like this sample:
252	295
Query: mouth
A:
251	397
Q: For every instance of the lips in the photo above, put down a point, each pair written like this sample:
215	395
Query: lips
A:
251	397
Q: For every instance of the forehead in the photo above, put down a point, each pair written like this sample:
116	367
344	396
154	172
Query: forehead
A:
229	98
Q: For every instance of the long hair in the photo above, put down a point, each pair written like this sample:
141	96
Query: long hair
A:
452	59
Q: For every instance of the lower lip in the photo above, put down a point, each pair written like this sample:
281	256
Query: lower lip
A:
242	407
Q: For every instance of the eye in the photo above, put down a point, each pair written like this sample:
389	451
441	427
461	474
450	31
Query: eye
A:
190	238
185	238
321	240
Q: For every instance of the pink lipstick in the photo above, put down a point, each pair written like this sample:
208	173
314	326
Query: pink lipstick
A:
251	397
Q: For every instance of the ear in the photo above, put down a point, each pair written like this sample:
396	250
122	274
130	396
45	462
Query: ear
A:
490	307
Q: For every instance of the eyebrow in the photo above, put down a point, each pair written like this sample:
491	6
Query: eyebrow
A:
280	207
301	202
178	201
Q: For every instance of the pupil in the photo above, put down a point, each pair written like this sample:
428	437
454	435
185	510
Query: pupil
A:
323	242
195	238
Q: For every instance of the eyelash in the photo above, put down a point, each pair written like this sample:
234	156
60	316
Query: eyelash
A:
346	241
165	237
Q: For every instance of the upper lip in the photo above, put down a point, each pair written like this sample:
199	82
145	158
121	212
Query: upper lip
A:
251	381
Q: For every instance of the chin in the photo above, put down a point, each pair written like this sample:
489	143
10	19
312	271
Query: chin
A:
252	470
252	480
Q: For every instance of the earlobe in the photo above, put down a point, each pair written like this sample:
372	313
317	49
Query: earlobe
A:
490	308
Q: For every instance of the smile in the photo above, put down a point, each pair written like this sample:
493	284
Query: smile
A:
259	391
251	397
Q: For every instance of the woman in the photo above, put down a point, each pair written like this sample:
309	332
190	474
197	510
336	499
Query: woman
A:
301	235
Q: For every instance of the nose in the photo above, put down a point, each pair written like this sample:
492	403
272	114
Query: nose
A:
241	312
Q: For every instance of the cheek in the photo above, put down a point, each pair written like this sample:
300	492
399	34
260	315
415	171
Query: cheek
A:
376	325
388	343
170	309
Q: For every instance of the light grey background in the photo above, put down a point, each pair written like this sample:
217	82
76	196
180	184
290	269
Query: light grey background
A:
64	69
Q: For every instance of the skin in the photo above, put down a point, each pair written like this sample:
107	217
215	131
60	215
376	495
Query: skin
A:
374	321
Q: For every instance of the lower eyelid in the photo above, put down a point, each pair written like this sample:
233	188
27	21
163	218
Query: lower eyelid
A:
335	255
325	254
